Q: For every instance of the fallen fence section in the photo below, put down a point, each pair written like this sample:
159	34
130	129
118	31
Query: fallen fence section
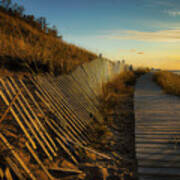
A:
42	118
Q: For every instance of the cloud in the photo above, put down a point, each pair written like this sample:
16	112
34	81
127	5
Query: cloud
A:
140	53
172	35
173	13
160	3
128	50
132	50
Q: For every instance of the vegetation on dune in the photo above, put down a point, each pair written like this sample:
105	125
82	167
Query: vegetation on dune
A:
27	43
115	135
169	81
114	93
141	71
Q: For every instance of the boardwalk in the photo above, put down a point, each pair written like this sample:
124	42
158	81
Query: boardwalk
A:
157	131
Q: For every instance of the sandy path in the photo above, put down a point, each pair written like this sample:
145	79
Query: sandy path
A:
157	130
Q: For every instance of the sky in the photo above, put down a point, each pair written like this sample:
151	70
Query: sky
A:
143	32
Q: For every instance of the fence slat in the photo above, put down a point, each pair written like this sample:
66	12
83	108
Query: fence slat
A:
26	121
29	173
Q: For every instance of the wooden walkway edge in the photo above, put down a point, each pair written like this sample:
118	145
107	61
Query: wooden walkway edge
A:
157	131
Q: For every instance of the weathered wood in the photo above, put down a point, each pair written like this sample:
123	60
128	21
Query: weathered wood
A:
1	173
8	174
19	121
41	111
67	150
67	170
29	173
91	150
79	123
53	91
27	122
62	122
60	113
157	131
14	167
39	161
8	109
61	142
25	106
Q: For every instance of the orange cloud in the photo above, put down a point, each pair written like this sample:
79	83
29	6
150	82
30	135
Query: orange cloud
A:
172	35
140	53
132	50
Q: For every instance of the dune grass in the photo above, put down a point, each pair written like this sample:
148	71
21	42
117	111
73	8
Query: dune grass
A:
25	48
118	92
115	135
169	81
115	93
141	71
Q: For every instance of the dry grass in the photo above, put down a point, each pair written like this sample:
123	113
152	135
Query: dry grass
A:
23	47
114	93
116	135
169	81
117	131
121	85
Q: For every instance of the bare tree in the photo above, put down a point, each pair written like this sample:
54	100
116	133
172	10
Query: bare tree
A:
20	10
5	3
42	22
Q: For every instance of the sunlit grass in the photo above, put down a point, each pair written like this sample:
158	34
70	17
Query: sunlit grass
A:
23	47
115	101
115	93
169	81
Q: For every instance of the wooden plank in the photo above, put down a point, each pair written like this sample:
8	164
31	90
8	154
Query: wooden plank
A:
39	161
158	150
63	102
42	112
67	150
72	122
27	122
73	98
11	148
150	177
157	130
58	133
8	109
162	163
19	121
33	120
15	168
86	92
91	150
8	174
60	130
63	125
1	173
173	172
159	157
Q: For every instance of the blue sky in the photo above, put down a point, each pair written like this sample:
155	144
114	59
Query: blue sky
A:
143	32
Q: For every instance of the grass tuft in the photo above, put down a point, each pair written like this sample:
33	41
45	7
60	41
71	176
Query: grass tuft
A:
170	82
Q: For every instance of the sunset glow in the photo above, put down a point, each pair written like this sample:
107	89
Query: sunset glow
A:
143	32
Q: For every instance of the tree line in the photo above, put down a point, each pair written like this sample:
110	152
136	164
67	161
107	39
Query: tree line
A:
15	10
